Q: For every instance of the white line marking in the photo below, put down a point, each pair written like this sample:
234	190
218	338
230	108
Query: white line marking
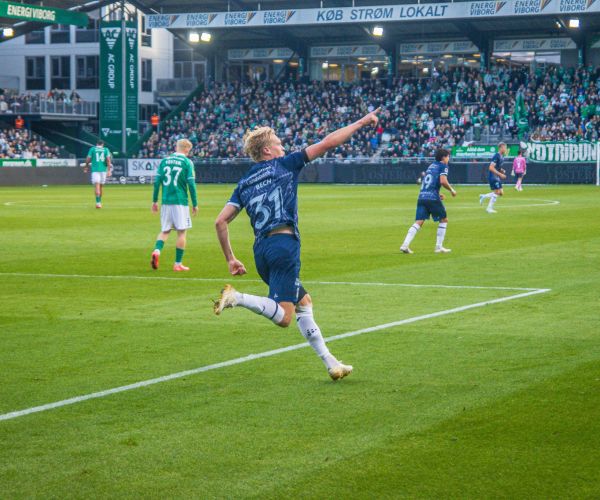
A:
504	204
545	203
251	357
246	280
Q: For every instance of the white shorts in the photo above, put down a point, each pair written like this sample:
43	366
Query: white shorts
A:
175	216
98	177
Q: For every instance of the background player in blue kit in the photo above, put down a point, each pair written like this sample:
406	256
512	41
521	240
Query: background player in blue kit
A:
430	202
496	174
268	192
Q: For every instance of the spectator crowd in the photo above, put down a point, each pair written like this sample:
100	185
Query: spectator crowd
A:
418	115
20	143
301	113
556	103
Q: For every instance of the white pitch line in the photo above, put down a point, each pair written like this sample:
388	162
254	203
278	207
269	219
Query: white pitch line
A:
545	203
247	280
251	357
475	205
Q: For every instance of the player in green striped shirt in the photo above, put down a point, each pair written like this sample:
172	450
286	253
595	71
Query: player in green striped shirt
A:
100	157
176	177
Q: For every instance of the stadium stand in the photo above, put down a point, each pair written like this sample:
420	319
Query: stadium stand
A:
419	114
22	143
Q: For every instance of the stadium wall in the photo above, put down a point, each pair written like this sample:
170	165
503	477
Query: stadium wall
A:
472	172
35	176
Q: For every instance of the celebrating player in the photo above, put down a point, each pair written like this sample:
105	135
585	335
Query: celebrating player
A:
176	176
100	158
495	174
519	169
268	192
430	202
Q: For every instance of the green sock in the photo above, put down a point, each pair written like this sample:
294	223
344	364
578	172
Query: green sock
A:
98	199
178	255
159	245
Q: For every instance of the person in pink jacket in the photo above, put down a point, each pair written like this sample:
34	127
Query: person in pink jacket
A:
519	169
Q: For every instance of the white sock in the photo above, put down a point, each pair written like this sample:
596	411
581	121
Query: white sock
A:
486	196
261	305
412	232
311	332
493	199
441	234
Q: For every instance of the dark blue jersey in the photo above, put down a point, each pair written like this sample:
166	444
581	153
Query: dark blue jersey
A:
498	159
430	184
269	193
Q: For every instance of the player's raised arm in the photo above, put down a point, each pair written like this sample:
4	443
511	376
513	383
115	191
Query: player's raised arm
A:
340	136
228	213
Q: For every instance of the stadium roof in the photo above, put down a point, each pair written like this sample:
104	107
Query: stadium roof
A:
402	31
302	36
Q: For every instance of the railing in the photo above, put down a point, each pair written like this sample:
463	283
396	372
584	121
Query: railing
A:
47	107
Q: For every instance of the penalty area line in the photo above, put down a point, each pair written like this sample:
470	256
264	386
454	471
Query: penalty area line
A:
265	354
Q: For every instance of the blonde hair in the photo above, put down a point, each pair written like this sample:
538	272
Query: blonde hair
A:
184	144
256	140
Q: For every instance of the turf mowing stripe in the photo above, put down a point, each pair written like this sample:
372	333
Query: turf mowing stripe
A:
250	357
246	280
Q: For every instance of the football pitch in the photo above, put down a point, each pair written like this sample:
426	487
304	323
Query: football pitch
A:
476	373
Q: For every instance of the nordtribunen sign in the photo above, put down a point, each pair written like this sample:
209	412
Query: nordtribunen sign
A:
382	13
40	14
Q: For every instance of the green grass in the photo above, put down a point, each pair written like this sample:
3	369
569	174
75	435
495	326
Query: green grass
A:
498	401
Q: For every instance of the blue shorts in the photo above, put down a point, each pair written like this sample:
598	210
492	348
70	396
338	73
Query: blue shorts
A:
495	185
435	208
277	261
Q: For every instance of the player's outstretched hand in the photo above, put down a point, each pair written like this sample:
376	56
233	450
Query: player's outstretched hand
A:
453	192
154	208
442	196
195	211
371	118
236	268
